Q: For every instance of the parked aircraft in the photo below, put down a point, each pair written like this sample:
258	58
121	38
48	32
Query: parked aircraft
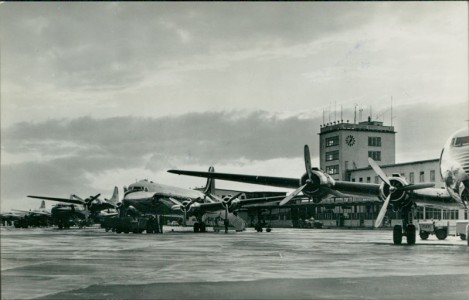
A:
394	191
78	211
148	197
26	218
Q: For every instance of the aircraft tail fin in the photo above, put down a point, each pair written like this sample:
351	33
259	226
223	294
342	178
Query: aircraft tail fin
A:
210	186
115	196
43	205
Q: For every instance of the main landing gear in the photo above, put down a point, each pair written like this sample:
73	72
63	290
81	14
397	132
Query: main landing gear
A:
200	227
407	229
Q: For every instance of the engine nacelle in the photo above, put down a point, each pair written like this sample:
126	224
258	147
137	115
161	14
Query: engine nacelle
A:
319	179
234	205
399	199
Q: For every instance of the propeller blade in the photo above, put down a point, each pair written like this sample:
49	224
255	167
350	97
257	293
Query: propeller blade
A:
382	212
412	187
79	198
234	197
293	194
94	197
226	222
378	171
308	162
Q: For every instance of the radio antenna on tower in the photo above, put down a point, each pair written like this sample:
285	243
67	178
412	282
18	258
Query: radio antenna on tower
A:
391	110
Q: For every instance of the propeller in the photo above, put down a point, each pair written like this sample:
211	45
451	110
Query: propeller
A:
90	200
184	207
226	203
392	189
308	181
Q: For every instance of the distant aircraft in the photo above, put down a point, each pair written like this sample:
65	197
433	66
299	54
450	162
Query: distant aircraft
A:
78	210
394	190
26	218
148	197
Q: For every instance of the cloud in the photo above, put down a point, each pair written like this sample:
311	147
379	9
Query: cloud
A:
201	137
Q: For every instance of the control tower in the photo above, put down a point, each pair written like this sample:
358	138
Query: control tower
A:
347	146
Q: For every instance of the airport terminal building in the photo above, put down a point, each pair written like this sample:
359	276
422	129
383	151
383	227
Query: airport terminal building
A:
344	151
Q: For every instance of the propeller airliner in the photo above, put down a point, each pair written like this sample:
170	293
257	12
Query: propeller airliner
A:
148	197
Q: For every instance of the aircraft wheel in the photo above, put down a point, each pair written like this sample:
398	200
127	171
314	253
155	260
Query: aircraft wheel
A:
463	237
118	230
203	227
441	234
410	234
424	235
107	229
397	234
196	227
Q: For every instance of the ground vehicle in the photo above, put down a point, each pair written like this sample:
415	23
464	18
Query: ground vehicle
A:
128	224
461	229
309	223
431	227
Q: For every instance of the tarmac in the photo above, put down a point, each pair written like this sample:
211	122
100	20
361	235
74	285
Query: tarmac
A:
48	263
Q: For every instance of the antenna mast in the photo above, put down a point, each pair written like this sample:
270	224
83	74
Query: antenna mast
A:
391	110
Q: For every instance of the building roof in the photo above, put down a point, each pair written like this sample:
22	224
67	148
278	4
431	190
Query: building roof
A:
362	126
397	165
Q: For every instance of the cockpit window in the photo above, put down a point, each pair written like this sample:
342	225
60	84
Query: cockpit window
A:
461	141
136	188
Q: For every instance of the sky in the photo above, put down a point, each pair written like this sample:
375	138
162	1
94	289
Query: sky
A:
96	95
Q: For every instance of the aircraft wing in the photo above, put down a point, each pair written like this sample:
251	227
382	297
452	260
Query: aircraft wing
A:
353	189
340	189
436	198
45	213
66	200
283	182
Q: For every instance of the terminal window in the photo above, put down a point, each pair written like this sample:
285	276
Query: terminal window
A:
374	141
375	155
411	177
376	179
332	141
432	175
333	155
332	169
422	176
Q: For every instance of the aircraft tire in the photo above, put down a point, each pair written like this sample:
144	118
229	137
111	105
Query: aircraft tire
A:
441	234
203	227
463	237
397	234
424	235
410	234
196	227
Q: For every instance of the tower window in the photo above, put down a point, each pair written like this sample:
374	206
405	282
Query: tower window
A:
331	170
375	155
332	141
333	155
374	141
